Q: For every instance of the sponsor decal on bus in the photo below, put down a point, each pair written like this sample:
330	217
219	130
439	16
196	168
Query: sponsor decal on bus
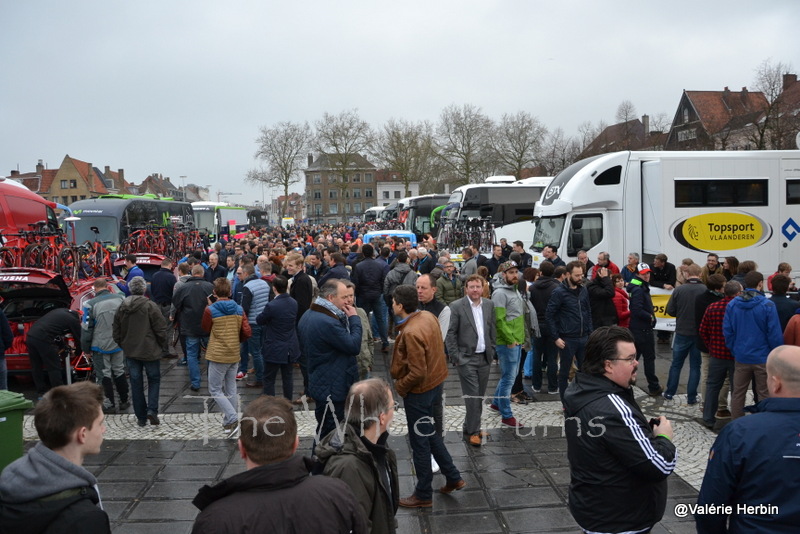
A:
721	231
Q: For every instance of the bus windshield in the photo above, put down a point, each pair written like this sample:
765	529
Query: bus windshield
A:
548	232
108	227
204	220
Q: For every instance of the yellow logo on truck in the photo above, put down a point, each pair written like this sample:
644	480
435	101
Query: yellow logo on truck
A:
721	231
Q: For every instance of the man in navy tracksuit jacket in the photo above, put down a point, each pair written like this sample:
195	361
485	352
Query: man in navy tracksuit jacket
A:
754	465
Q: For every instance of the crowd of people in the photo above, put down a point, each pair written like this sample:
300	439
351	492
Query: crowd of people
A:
321	300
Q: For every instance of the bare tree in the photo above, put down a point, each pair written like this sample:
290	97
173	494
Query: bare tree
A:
659	122
559	152
407	148
282	149
626	113
517	142
592	139
775	128
463	141
343	138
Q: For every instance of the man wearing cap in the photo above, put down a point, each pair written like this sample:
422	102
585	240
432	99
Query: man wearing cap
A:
642	322
509	310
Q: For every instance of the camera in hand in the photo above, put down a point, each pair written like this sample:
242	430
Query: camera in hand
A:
655	421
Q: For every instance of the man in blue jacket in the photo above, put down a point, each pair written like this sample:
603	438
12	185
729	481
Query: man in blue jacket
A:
280	348
751	482
569	317
132	270
330	337
752	329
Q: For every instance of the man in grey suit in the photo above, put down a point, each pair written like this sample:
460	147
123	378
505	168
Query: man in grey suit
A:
470	342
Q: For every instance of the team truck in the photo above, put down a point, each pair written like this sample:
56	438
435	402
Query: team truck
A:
682	204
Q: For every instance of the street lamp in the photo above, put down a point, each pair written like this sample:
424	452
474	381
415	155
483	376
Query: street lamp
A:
183	187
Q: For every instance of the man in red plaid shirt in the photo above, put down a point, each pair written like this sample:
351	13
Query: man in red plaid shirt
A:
721	363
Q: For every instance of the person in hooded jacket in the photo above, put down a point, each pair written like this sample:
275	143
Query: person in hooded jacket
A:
618	462
140	330
48	491
601	299
545	352
359	453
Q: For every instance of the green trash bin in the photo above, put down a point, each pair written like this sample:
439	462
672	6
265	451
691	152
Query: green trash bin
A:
12	408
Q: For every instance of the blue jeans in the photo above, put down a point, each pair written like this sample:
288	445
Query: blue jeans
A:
425	441
378	307
254	344
137	368
509	365
222	386
574	348
683	346
193	358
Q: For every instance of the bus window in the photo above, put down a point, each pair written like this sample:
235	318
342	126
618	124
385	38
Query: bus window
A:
140	213
586	232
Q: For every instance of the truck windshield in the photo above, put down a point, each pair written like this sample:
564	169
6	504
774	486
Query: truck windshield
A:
548	232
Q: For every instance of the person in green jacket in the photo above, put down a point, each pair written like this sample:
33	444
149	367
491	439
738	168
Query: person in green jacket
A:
509	310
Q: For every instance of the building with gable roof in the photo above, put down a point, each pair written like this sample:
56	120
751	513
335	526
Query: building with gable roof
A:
634	134
716	120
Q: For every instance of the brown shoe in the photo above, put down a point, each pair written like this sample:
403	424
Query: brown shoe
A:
450	488
475	440
723	414
415	502
254	384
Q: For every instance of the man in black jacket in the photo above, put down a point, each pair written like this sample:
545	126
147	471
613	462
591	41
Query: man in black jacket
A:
544	351
190	302
161	289
615	457
301	289
48	489
642	322
276	494
44	339
601	298
368	276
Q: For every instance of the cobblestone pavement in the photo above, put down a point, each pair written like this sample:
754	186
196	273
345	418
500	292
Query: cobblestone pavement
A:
517	482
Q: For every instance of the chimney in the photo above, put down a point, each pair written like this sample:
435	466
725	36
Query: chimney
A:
310	159
121	173
646	124
745	96
39	168
14	173
107	171
789	80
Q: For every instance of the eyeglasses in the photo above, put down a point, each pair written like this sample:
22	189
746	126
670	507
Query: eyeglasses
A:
629	360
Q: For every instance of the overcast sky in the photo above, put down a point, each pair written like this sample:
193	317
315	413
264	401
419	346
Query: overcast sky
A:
182	87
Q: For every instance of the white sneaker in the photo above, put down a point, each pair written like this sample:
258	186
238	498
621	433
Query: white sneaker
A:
434	465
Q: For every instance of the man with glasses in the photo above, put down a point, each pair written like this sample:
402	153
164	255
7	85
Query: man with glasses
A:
616	456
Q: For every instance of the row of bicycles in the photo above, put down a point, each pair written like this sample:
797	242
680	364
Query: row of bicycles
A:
43	247
475	232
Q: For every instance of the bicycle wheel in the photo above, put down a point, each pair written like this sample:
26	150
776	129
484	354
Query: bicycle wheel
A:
7	257
30	257
68	265
48	258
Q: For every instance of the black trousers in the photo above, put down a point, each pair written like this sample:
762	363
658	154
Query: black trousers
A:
45	364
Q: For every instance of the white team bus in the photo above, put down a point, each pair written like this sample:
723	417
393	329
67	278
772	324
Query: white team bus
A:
684	204
507	202
215	217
